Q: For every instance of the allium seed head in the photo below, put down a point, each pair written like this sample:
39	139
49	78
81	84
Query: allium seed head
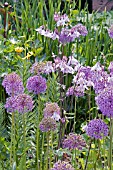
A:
74	141
47	124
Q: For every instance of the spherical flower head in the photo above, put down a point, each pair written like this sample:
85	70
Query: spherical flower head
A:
105	101
11	104
13	84
47	124
51	109
36	84
74	141
24	103
97	129
62	165
110	31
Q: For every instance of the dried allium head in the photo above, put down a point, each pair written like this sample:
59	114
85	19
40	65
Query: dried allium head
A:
24	103
74	141
62	165
50	109
37	67
36	84
13	84
105	101
48	124
97	129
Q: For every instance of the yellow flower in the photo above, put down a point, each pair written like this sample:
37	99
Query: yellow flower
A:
19	49
29	54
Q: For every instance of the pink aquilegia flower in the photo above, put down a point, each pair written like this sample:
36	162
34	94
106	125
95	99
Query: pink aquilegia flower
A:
110	31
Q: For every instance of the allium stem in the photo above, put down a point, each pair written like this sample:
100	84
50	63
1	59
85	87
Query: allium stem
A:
47	162
37	132
12	151
88	155
110	149
24	138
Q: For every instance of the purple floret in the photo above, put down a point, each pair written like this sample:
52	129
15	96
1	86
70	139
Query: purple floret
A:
62	165
36	84
13	84
97	129
47	124
24	103
74	141
105	101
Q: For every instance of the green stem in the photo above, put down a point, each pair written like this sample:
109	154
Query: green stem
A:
47	163
12	151
88	155
37	132
24	137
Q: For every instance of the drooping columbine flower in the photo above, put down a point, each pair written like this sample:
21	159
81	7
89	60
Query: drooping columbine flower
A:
97	129
74	141
62	165
11	104
110	31
81	29
99	77
61	20
36	84
24	103
105	101
48	124
52	110
13	84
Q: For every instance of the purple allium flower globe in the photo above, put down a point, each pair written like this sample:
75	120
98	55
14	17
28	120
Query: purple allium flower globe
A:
51	109
105	101
62	165
13	84
48	124
97	129
11	104
24	103
36	84
74	141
